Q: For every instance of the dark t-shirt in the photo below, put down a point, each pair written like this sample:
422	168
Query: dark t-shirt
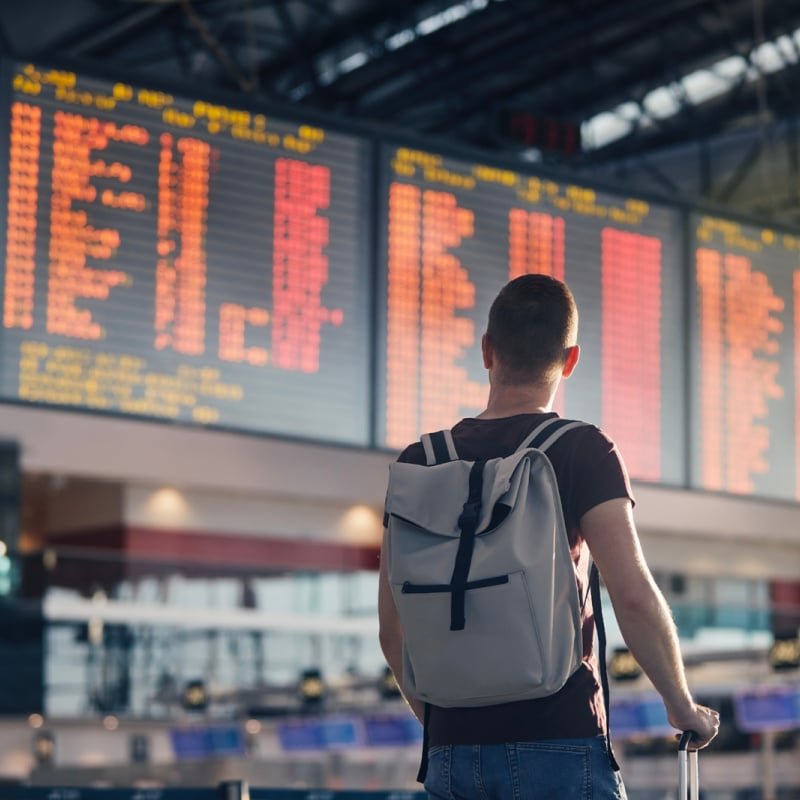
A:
589	471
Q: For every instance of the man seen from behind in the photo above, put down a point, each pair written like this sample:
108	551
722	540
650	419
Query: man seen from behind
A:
554	746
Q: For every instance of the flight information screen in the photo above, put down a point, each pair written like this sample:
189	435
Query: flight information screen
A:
455	232
746	362
179	259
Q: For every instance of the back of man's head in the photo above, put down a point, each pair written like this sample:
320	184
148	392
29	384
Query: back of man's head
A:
532	322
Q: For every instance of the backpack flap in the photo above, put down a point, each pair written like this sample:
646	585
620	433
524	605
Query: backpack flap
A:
429	498
502	480
424	505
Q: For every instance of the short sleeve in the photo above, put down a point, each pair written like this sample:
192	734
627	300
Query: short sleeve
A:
413	454
599	473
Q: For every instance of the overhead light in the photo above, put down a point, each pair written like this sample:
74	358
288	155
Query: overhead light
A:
50	559
312	687
110	723
353	62
698	86
784	653
442	19
167	505
663	102
360	523
195	696
400	39
623	666
532	155
253	727
44	747
424	27
389	689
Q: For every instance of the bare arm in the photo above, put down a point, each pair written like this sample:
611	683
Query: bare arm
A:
391	633
643	615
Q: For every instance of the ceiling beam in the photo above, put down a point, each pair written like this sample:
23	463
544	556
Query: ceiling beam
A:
335	36
711	118
226	61
593	96
590	96
438	74
107	30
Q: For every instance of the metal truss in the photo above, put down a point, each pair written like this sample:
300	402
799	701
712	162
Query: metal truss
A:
449	67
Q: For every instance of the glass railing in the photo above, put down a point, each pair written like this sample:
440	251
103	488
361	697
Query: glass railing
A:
694	617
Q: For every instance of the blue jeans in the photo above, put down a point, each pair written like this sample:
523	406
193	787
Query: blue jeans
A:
561	769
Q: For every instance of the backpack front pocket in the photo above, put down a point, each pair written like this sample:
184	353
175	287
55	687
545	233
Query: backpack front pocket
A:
497	657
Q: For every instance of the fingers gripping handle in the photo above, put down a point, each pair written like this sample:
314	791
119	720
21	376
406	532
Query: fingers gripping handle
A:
688	778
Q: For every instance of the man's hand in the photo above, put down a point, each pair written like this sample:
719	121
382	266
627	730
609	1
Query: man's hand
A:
701	720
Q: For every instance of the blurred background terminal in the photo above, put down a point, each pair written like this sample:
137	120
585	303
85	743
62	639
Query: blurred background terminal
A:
247	252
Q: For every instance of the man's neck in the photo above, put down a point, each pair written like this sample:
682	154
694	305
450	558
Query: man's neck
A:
508	400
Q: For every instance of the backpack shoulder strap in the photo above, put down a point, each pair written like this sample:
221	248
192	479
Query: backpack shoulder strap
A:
548	432
439	447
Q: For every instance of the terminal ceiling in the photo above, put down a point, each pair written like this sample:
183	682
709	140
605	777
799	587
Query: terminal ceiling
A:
636	78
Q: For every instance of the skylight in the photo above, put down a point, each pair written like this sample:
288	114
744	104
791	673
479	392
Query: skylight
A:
694	88
423	27
400	39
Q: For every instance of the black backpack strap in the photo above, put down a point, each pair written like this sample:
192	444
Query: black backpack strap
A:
423	765
468	524
439	447
597	607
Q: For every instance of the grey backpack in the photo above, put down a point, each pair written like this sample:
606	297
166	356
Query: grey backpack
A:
481	574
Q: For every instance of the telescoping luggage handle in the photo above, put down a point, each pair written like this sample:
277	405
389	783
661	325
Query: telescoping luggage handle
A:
688	778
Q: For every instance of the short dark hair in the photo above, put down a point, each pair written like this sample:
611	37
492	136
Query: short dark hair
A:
532	322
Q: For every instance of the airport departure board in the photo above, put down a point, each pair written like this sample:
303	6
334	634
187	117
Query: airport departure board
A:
179	259
746	342
455	232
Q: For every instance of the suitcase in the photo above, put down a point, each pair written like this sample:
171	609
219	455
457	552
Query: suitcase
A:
688	778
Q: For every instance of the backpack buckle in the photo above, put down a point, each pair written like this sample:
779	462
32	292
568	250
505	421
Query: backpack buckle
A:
468	519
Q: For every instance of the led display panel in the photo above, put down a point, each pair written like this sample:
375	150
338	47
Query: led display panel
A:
746	359
454	232
179	259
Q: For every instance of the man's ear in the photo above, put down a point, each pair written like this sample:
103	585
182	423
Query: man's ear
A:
488	351
573	355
